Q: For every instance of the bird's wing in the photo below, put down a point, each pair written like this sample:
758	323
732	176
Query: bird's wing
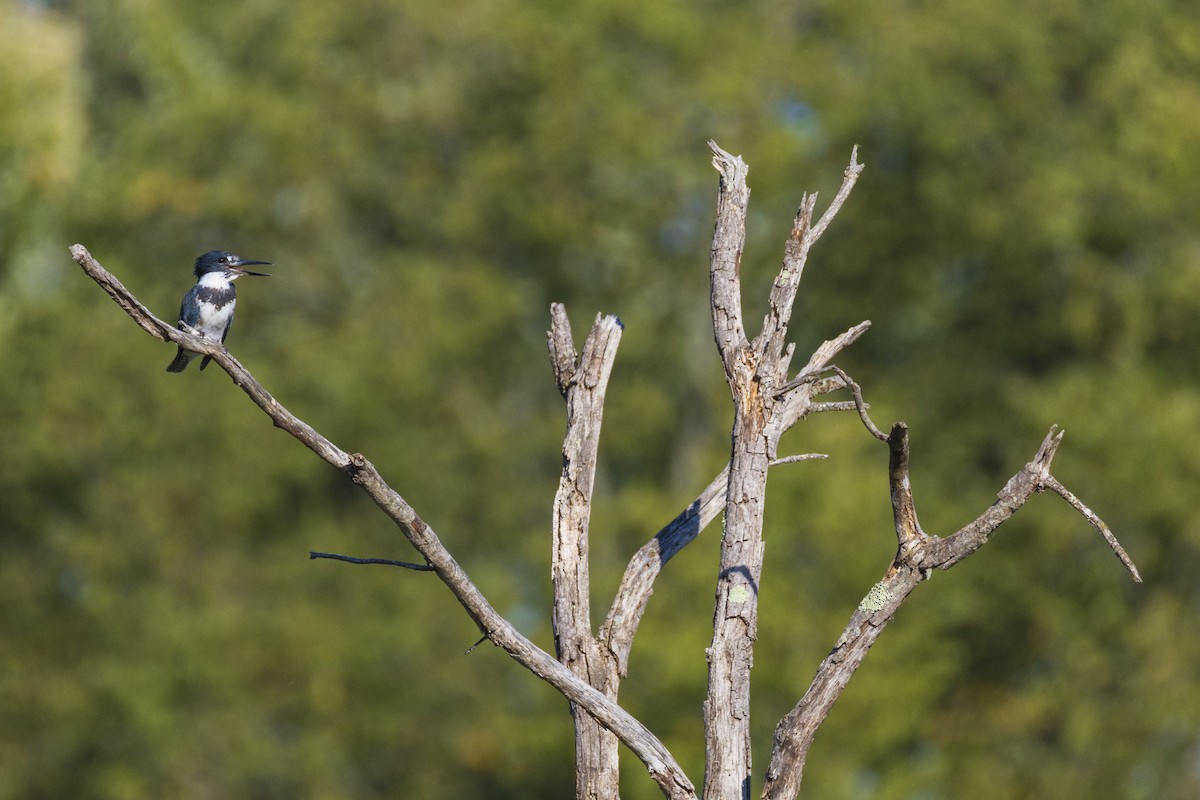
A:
228	325
189	312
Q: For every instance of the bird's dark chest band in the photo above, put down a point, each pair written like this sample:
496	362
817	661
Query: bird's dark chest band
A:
215	296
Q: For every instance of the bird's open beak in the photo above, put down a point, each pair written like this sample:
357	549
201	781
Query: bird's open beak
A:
243	262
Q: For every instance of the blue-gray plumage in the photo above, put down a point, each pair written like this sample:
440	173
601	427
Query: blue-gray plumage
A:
208	306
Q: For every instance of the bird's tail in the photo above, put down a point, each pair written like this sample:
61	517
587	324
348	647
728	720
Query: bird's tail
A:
182	359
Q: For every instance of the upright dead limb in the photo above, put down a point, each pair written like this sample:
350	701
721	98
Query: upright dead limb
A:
757	374
583	381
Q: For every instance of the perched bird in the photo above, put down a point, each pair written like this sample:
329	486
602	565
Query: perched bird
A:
208	306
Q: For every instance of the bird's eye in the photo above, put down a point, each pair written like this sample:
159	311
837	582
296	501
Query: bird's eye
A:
225	259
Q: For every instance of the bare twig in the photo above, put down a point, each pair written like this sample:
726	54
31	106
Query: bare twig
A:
829	350
840	405
385	561
1051	483
850	178
775	462
794	400
859	404
945	553
783	291
124	298
661	765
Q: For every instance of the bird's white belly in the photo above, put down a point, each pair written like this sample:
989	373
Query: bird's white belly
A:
214	319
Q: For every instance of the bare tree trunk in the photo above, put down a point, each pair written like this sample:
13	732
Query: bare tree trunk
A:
735	620
597	771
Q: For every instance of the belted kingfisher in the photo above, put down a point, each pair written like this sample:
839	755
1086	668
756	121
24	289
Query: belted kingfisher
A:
208	306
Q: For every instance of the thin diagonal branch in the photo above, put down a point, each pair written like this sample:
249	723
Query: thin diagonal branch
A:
819	362
945	553
783	291
850	178
637	584
661	765
1051	483
125	299
830	349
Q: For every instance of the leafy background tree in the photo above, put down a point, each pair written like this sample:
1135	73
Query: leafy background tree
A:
427	179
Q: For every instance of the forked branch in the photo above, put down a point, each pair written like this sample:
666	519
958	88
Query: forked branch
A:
583	380
917	554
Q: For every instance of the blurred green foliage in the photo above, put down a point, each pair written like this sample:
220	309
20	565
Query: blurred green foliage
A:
427	178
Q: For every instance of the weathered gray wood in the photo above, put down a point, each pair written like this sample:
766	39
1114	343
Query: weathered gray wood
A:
735	616
583	380
765	404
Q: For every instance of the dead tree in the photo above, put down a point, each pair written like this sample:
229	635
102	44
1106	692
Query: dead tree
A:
768	399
